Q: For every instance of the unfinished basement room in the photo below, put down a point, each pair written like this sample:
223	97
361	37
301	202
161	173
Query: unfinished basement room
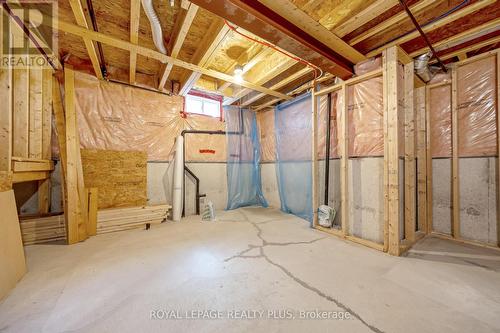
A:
249	166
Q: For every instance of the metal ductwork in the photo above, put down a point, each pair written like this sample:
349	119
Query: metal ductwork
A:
422	68
155	25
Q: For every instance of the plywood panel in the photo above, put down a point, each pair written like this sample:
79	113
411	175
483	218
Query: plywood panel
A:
119	176
12	261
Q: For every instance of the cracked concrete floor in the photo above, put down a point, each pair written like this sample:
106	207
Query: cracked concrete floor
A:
252	259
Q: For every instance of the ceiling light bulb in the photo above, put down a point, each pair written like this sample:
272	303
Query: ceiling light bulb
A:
238	74
238	70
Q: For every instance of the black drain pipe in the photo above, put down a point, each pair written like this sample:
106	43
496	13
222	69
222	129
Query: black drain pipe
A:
327	155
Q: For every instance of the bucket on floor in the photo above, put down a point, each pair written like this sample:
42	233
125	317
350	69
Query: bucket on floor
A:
326	215
208	212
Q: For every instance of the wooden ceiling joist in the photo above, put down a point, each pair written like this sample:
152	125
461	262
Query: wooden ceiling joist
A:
366	15
447	42
262	21
249	65
435	25
305	86
144	51
204	53
392	21
306	23
279	85
462	53
135	14
178	39
77	9
263	78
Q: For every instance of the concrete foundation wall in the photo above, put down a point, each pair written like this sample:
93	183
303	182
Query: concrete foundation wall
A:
366	198
441	195
270	184
478	212
213	183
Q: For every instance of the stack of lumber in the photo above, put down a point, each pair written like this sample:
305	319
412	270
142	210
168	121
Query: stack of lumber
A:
40	230
119	219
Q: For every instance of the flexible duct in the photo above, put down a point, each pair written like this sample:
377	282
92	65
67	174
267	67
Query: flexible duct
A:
155	25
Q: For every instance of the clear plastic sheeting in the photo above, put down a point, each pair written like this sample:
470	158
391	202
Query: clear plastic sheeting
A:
114	116
476	94
293	154
366	118
368	65
440	121
265	120
243	157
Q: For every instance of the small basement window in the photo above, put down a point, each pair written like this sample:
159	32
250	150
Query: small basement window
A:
203	105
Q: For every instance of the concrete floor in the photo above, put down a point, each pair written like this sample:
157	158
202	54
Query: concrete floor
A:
252	259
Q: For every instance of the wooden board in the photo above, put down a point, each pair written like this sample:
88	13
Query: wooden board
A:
119	176
12	261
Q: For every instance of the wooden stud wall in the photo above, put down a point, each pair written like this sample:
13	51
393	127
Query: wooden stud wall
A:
26	129
455	190
393	244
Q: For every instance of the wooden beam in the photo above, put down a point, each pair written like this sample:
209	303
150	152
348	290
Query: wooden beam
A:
462	53
21	177
455	229
35	113
392	157
390	22
178	39
76	7
92	195
121	44
6	89
47	114
354	80
255	17
76	223
60	128
446	43
261	78
498	147
366	15
249	65
306	23
305	86
428	152
18	166
204	53
44	196
410	167
344	160
435	25
421	158
135	16
20	112
314	157
279	85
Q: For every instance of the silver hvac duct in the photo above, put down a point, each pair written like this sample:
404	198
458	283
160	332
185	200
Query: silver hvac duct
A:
422	68
155	25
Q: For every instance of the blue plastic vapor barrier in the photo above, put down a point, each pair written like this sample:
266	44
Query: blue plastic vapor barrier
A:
293	156
243	159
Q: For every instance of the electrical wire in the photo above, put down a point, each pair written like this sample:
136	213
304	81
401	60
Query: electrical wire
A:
307	63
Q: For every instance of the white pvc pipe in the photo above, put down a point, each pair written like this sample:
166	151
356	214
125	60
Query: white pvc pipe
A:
155	25
177	183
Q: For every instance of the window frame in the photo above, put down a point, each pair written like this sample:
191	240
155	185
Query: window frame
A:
203	97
